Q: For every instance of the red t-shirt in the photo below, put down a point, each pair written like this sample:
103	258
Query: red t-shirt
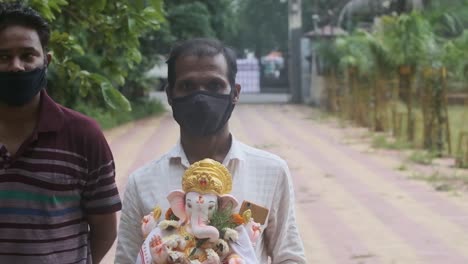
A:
63	172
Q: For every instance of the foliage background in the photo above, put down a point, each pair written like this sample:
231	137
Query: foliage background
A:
96	53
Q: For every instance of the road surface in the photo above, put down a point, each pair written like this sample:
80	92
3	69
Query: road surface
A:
352	206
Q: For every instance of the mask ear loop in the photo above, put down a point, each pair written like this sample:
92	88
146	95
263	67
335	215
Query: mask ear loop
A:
229	109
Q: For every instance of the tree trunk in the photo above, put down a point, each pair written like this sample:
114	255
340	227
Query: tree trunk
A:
406	87
378	106
400	6
427	110
411	120
395	99
351	95
462	150
440	119
445	107
331	85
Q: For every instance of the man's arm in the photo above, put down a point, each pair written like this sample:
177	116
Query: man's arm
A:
130	237
100	196
282	237
103	231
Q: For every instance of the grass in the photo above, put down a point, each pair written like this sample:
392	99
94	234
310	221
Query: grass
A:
402	167
319	116
459	124
457	119
442	182
422	157
458	116
384	142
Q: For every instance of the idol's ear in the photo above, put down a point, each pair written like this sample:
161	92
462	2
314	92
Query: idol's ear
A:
177	201
227	201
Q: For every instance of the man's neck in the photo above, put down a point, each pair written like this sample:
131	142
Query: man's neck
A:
13	119
214	146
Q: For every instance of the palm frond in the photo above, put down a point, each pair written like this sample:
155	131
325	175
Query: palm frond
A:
355	51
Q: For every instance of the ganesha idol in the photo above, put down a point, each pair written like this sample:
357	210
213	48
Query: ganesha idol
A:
200	226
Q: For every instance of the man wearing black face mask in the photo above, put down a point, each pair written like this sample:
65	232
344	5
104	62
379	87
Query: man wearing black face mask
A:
202	92
58	198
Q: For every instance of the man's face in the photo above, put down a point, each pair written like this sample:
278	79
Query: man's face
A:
20	49
206	73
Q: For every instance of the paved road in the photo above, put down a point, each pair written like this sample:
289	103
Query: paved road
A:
353	207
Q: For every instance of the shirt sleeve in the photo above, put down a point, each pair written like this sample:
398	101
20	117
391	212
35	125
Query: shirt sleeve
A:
100	194
129	235
284	244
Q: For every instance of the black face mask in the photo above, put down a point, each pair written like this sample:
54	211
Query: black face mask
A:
202	113
19	88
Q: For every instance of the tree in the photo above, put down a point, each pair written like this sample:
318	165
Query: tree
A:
188	19
358	61
409	38
95	44
328	61
263	26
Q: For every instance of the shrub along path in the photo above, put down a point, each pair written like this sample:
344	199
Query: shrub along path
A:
353	206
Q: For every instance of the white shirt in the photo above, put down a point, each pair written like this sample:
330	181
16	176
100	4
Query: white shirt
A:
258	176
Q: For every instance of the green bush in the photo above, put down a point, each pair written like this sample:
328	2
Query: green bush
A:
107	119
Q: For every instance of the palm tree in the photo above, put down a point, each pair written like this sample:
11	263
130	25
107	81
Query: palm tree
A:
408	37
385	64
356	58
329	60
446	58
455	59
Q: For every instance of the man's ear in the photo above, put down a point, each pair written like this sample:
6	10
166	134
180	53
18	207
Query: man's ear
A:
49	58
168	94
237	90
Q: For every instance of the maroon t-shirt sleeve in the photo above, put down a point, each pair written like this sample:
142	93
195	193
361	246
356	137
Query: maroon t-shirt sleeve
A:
100	194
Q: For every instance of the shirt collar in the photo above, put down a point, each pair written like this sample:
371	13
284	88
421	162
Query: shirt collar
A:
50	115
234	153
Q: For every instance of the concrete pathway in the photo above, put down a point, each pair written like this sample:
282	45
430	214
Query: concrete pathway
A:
352	207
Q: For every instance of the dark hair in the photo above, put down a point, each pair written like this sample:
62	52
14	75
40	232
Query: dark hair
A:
16	14
201	47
